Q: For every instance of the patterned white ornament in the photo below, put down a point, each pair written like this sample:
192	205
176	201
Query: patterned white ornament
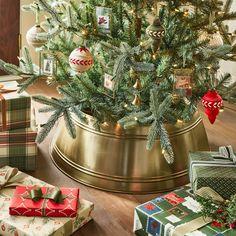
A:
31	36
215	39
81	60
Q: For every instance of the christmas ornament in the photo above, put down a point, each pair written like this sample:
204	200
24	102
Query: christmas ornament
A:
183	81
137	84
31	36
188	9
136	101
104	19
156	32
81	60
109	82
212	102
215	39
48	66
176	98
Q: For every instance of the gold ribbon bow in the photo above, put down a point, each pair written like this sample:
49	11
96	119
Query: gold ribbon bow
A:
3	105
207	192
10	177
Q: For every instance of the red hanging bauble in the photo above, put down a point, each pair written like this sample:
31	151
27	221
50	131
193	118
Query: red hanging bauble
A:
212	102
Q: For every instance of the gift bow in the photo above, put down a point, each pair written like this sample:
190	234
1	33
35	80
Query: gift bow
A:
4	110
207	192
10	177
51	193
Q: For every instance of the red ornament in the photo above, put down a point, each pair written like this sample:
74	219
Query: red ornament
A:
212	102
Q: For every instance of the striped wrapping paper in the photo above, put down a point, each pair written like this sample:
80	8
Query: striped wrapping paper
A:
15	109
20	155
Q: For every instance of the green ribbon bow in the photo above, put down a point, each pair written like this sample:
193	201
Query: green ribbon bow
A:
52	194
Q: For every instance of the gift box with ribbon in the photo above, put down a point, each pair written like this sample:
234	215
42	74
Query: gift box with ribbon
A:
216	170
175	214
15	109
44	201
28	226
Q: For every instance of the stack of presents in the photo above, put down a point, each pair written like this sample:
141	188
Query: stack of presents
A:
29	206
180	213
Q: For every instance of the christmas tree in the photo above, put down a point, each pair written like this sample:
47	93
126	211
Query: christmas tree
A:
131	62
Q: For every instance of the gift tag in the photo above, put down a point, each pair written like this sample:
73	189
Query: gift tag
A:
192	204
108	82
104	19
183	82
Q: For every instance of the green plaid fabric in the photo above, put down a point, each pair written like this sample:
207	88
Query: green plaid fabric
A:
25	135
20	155
206	170
18	108
160	216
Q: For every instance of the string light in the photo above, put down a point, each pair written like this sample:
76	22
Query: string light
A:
163	151
84	32
222	109
105	124
154	56
135	118
126	105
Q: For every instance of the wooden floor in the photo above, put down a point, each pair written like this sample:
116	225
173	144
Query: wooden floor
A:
113	213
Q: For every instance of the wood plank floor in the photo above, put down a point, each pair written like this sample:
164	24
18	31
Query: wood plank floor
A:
113	213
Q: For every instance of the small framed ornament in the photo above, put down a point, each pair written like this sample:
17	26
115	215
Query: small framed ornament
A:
48	65
109	82
183	82
103	15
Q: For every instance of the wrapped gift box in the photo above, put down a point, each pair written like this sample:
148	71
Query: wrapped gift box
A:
20	155
174	214
28	226
20	205
211	169
15	109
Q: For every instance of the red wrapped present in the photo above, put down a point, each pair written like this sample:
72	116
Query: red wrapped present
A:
44	201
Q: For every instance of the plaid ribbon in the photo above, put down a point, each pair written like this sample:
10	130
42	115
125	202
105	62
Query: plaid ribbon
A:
25	135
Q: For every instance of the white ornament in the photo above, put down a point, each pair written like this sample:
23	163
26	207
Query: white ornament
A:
215	39
81	60
31	36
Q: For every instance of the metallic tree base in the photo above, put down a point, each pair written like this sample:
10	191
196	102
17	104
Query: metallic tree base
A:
117	160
